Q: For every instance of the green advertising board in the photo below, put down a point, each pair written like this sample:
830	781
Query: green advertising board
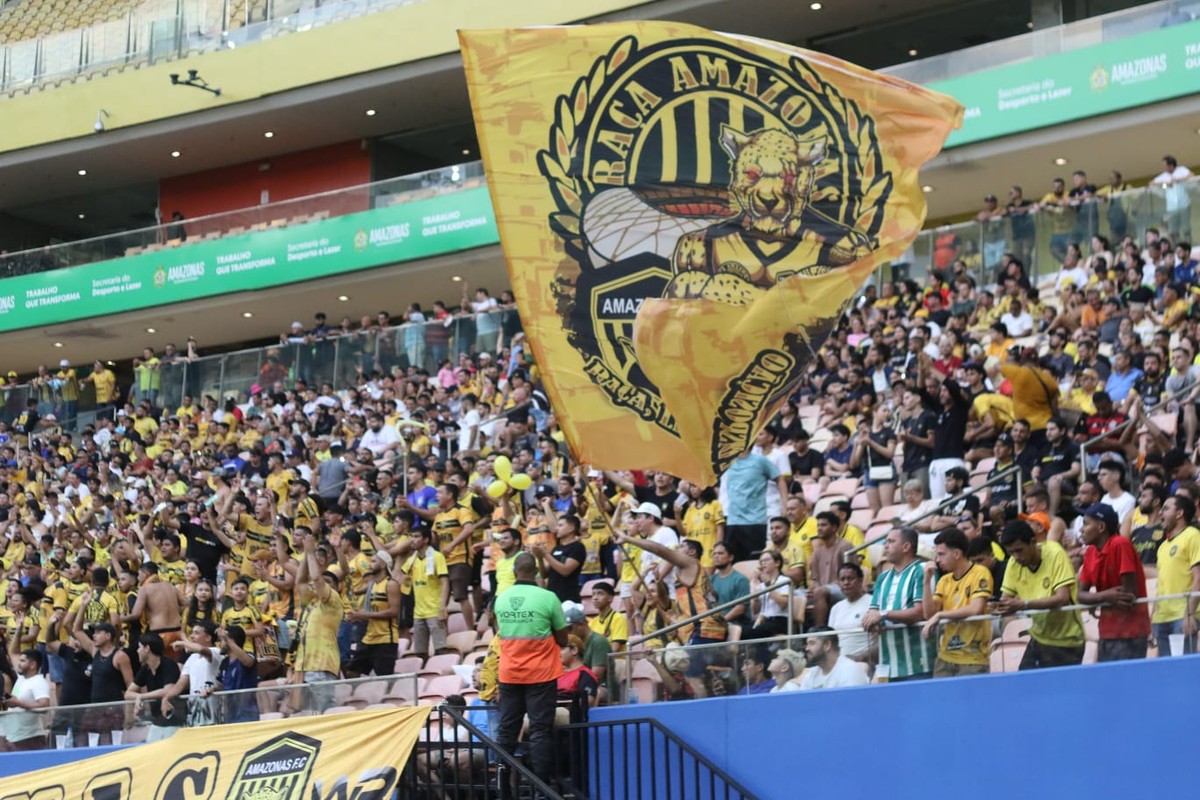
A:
401	232
1134	71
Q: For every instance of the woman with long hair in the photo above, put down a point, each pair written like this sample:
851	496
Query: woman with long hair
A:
202	607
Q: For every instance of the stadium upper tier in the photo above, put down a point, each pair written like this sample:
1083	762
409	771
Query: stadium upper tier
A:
1039	236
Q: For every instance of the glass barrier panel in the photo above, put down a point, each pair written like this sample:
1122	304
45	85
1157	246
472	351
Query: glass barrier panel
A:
20	63
240	371
724	669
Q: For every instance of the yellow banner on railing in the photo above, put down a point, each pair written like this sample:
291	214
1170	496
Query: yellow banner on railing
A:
685	215
358	755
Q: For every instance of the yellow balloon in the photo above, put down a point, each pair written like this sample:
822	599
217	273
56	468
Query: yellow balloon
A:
496	489
503	468
521	482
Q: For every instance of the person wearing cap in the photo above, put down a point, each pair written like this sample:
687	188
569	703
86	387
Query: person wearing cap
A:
1040	577
647	522
1112	576
594	647
380	610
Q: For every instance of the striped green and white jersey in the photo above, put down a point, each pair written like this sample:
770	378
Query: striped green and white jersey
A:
903	650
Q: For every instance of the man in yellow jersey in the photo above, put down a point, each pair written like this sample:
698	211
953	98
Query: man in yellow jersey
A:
316	659
779	540
509	542
170	560
426	573
380	612
1041	576
105	382
1178	572
243	613
802	527
963	591
258	526
608	622
453	526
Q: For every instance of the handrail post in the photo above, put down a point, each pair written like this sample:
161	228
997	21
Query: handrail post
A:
1083	462
791	606
1020	490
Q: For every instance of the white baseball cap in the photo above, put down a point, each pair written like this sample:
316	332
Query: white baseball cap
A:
649	509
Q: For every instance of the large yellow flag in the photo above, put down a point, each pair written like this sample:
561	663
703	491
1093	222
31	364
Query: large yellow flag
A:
685	215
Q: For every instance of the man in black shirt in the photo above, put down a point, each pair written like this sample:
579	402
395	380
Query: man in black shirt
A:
1003	495
661	492
207	542
1059	465
916	432
156	675
965	506
562	565
1025	454
806	462
952	407
1149	534
1152	385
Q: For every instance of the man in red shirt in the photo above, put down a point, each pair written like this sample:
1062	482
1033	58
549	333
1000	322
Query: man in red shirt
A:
1112	575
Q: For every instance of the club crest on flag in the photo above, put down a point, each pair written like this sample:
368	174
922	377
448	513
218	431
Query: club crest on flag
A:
686	215
696	169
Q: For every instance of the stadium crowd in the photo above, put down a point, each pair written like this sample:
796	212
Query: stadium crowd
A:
307	532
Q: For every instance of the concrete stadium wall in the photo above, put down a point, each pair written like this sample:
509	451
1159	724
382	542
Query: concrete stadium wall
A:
1104	731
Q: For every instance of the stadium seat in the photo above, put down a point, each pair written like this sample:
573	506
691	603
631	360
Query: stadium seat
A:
442	686
888	513
410	664
1017	630
441	664
644	669
462	641
862	518
843	486
746	568
859	501
1006	656
370	691
339	710
827	500
456	623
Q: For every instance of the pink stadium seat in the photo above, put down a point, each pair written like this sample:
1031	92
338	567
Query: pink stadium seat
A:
410	664
442	686
441	664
